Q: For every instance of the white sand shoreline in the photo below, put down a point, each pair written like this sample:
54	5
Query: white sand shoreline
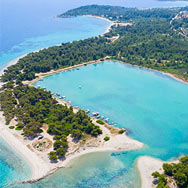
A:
146	166
39	162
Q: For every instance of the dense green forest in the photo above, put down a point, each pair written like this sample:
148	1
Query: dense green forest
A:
150	42
173	173
32	107
120	13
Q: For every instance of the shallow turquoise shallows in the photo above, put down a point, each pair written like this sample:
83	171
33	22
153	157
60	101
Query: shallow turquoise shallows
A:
30	25
151	105
54	31
12	166
64	30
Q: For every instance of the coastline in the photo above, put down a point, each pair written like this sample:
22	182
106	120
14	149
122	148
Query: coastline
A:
43	75
146	166
103	18
40	164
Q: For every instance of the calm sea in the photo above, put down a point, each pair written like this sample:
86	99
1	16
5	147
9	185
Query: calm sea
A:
151	105
30	25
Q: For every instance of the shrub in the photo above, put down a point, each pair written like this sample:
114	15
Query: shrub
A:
106	138
11	127
121	131
52	156
100	122
19	126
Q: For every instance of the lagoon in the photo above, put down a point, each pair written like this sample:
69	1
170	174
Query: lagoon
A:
150	104
27	26
54	32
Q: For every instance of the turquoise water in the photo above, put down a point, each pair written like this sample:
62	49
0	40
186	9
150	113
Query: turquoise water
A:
13	168
151	105
66	30
26	26
53	32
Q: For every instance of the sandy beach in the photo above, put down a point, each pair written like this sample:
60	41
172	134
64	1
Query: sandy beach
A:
99	17
39	162
146	166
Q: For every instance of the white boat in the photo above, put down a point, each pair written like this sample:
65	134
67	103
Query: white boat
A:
106	120
95	113
87	111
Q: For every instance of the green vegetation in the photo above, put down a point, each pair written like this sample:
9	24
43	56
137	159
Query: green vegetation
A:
100	122
52	156
11	127
177	172
119	13
33	107
149	42
106	138
121	131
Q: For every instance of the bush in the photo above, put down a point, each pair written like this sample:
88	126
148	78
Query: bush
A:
100	122
19	126
52	156
61	152
106	138
121	131
11	127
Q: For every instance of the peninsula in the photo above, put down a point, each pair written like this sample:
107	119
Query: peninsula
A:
50	131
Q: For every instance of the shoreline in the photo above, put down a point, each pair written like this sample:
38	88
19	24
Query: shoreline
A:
112	23
41	166
15	60
146	165
39	162
43	75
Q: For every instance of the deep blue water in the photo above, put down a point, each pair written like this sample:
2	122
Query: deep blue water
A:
30	25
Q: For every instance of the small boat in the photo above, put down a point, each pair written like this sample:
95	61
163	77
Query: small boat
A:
80	87
95	113
102	117
76	107
106	120
57	94
87	111
38	86
98	116
77	69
